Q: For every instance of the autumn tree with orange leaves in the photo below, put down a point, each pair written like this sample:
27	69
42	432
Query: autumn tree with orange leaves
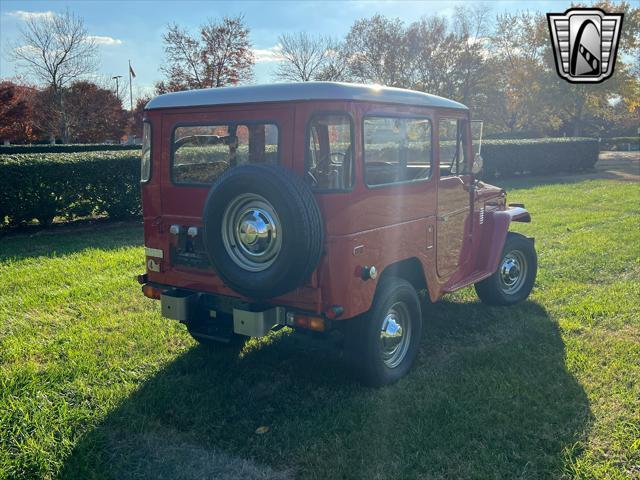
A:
219	55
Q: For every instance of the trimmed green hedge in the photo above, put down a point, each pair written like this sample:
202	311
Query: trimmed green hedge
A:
68	185
544	156
44	186
620	143
66	148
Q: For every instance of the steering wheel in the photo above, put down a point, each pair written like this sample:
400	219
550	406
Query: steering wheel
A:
326	160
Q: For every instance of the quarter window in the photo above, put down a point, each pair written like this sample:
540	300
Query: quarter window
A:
396	150
145	165
330	153
453	146
202	152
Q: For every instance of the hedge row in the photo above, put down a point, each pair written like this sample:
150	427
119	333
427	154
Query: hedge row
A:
545	156
44	186
66	148
68	185
620	143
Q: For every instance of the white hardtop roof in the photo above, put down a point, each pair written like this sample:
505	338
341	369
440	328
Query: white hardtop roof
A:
285	92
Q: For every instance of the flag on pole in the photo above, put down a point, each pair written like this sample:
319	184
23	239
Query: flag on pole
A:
132	75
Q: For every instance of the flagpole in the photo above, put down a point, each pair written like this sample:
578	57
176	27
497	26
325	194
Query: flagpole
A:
130	88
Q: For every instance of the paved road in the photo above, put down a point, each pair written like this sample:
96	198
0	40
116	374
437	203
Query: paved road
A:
624	166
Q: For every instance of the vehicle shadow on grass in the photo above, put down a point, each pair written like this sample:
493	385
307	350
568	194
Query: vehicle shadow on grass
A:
489	397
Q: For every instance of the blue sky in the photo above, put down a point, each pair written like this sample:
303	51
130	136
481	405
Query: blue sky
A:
133	29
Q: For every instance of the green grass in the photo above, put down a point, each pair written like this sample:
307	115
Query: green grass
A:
95	384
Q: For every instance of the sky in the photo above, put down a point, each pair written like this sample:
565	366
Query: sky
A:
132	30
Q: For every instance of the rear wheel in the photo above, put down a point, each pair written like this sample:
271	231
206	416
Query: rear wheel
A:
516	274
382	344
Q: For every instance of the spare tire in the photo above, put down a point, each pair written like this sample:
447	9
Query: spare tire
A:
262	230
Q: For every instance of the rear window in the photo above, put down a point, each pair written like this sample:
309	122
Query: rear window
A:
202	152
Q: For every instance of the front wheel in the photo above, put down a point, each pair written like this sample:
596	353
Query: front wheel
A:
382	344
516	274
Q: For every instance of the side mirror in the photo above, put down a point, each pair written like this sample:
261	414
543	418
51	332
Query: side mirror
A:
478	164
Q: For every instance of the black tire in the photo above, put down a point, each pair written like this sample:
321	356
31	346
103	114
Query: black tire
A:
363	344
299	226
496	289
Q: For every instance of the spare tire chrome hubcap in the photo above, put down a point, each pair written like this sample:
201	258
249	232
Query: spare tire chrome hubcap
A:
251	232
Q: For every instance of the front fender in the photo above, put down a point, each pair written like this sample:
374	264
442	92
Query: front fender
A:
518	213
496	227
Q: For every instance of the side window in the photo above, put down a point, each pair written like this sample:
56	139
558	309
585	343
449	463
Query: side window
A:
453	146
202	152
329	153
396	150
145	165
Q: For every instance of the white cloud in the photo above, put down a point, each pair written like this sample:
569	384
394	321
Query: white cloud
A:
24	15
272	54
102	40
26	49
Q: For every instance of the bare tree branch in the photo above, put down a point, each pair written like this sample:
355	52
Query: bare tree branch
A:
55	50
303	57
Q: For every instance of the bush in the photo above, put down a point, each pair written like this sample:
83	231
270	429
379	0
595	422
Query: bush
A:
45	186
543	156
620	143
513	135
66	148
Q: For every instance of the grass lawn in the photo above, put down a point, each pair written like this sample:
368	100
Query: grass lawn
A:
95	384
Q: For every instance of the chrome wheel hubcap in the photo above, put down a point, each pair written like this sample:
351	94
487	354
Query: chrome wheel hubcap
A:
513	271
251	232
395	335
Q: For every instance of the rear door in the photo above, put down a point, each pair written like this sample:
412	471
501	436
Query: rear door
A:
454	200
200	144
203	144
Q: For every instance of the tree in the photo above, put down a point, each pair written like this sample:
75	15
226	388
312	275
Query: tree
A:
518	74
583	108
335	67
56	50
526	93
221	55
378	51
94	114
17	123
135	127
430	55
470	30
303	56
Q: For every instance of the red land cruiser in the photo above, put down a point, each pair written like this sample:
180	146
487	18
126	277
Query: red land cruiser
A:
321	206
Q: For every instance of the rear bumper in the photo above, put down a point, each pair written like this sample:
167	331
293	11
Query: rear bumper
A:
196	308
